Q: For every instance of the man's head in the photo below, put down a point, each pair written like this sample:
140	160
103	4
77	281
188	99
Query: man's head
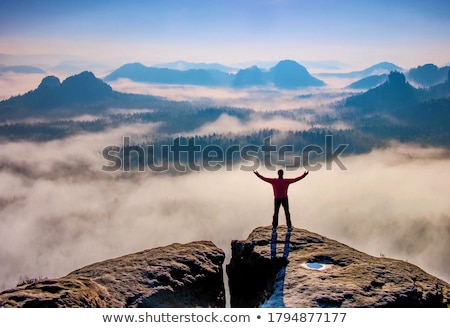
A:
280	174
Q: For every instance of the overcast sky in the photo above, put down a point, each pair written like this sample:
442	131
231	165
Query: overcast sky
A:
359	33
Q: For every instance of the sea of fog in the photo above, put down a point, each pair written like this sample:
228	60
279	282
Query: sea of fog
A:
59	211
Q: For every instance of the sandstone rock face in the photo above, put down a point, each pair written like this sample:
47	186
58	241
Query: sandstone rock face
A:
178	275
297	269
304	269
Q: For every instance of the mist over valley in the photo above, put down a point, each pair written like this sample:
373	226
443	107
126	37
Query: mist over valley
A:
59	210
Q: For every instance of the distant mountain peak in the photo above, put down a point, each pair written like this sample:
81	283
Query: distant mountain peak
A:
428	75
22	69
396	78
136	64
387	66
49	82
377	69
85	76
80	90
85	85
249	77
288	74
288	63
394	94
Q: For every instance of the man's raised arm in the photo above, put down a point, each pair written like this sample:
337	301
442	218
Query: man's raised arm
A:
261	177
300	177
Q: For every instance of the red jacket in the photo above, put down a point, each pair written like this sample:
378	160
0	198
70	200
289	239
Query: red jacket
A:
280	185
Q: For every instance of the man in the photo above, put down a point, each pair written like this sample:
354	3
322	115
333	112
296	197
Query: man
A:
280	188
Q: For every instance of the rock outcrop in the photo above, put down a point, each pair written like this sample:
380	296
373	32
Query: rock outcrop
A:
178	275
304	269
297	269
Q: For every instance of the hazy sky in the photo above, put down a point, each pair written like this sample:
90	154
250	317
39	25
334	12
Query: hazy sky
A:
361	33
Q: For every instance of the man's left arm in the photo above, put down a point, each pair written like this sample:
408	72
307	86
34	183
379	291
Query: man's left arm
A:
301	177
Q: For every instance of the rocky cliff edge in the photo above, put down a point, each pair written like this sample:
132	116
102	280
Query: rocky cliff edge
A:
178	275
269	269
304	269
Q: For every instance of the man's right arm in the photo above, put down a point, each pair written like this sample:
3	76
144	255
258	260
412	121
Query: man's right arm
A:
260	176
257	174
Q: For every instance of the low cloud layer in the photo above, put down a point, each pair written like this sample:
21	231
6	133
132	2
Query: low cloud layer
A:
259	99
59	211
229	124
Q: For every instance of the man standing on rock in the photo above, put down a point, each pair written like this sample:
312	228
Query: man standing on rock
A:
280	188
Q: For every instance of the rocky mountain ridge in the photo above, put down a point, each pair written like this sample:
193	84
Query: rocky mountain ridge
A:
286	74
78	94
282	269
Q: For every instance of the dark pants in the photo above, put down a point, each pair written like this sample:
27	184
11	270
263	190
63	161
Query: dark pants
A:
278	203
